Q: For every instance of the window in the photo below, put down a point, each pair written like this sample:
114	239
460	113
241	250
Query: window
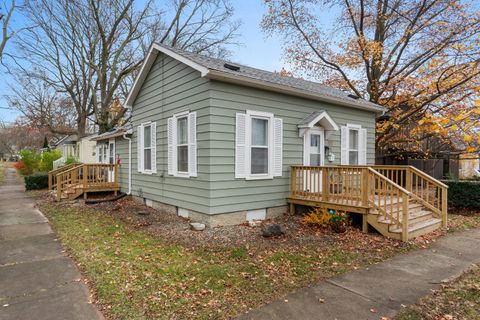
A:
315	150
147	148
111	152
354	145
258	145
182	145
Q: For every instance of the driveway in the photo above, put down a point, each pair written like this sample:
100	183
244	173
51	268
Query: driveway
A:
37	279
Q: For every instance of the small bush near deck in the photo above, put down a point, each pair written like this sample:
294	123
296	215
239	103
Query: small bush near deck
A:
322	217
463	194
37	181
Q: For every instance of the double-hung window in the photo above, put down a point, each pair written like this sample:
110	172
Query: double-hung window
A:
354	145
258	145
182	144
147	148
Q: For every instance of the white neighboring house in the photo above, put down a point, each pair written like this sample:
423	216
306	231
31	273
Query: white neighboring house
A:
83	150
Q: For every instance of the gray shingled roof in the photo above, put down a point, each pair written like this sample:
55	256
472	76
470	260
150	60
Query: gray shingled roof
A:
274	78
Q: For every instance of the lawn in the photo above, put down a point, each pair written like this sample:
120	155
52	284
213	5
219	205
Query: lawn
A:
137	270
459	299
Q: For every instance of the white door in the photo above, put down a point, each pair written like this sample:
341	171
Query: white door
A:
313	155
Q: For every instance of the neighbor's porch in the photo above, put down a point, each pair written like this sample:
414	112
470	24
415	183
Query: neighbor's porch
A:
79	179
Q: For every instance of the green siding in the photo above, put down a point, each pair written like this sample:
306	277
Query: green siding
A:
169	88
229	194
173	87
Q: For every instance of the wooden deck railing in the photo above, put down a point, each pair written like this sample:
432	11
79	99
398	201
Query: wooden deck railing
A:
88	177
427	190
387	188
52	175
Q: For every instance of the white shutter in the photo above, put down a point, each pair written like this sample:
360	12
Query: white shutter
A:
362	146
153	144
192	144
240	145
277	147
171	145
344	145
140	148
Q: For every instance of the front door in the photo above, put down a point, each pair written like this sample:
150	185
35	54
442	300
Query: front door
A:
313	155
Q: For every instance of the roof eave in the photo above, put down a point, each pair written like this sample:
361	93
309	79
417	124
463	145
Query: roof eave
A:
238	79
109	136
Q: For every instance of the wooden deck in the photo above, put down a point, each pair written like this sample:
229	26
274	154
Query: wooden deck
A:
399	201
75	180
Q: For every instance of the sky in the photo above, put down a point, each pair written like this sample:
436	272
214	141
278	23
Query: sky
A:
255	50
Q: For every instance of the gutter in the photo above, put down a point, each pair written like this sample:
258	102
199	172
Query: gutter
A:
249	82
129	160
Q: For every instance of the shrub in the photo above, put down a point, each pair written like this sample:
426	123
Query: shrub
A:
70	160
463	194
19	165
31	161
48	157
36	181
322	217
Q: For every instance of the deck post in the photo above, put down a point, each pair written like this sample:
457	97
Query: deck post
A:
364	223
364	187
405	217
444	207
408	179
325	186
293	180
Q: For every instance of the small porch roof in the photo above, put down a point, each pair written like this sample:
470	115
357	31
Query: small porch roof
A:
116	132
322	118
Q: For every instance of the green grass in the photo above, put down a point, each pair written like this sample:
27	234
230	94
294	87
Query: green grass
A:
458	300
138	276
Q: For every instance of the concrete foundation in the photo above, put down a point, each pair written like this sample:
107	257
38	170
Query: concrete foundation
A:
211	220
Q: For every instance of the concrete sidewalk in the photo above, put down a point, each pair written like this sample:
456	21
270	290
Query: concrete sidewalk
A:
37	280
380	290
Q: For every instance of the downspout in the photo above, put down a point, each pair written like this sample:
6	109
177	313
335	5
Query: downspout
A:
129	161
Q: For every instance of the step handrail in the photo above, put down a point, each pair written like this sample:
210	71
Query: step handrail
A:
405	195
52	174
428	177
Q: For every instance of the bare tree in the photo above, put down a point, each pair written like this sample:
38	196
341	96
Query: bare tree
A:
6	13
42	107
91	49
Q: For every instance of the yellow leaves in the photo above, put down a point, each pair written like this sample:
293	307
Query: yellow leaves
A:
470	149
467	138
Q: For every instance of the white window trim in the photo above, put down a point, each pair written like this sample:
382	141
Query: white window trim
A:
144	171
362	149
306	145
110	143
262	115
176	173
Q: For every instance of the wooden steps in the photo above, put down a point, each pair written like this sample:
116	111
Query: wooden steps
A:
421	220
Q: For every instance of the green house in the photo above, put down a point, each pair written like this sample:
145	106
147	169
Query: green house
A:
214	141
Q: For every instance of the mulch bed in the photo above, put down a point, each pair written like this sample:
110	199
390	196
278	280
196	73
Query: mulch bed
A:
176	230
